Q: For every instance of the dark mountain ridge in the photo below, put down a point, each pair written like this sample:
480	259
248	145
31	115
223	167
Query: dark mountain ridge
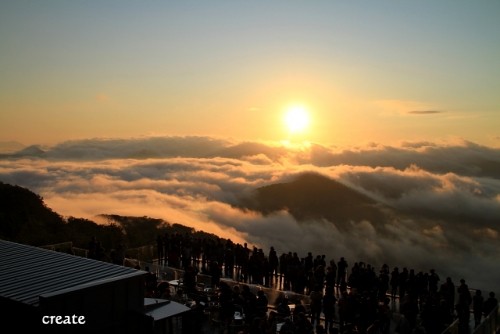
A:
314	196
25	218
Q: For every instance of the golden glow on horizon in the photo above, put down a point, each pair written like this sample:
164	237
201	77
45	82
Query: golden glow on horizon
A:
296	119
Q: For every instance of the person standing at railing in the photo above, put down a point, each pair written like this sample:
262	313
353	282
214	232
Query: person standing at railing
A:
463	306
394	282
447	291
229	259
477	307
273	263
464	295
490	304
433	281
341	271
329	302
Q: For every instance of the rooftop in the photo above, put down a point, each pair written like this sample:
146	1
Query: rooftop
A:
27	272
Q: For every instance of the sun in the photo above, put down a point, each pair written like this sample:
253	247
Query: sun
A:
296	119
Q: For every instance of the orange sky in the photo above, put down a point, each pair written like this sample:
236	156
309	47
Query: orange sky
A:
366	71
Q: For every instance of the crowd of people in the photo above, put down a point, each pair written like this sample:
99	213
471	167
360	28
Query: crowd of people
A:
341	297
355	297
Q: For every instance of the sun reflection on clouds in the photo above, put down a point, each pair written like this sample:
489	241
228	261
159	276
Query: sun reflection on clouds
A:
296	146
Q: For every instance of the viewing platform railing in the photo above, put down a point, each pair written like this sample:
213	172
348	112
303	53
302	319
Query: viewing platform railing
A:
490	325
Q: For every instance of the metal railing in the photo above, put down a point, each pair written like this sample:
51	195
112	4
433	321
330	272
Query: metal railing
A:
67	247
164	273
491	324
64	247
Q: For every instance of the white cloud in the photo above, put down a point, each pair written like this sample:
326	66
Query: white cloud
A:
446	196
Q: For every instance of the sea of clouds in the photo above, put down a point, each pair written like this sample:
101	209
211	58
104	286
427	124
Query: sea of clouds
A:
444	197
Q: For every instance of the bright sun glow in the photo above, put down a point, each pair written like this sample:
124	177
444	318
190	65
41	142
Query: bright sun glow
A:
296	119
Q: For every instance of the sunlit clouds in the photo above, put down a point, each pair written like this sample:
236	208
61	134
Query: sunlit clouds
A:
444	198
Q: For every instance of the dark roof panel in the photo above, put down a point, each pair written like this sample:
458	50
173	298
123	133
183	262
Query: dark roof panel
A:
26	272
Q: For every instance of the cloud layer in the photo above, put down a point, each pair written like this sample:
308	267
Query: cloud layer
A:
445	198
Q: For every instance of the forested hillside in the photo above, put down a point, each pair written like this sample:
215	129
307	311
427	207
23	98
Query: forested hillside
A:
25	218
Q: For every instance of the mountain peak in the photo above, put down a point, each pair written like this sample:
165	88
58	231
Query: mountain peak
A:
33	150
314	196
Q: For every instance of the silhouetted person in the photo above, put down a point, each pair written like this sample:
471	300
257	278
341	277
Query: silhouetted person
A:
273	262
394	281
316	297
261	304
302	324
179	296
409	308
118	254
477	307
463	307
189	279
309	263
215	272
249	302
464	295
384	315
403	280
299	307
271	323
383	284
283	308
329	301
341	271
288	327
320	329
163	290
433	281
463	314
490	304
92	248
226	303
197	316
447	291
403	326
151	282
331	274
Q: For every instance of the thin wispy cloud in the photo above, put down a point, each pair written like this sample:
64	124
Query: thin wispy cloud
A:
404	107
425	112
